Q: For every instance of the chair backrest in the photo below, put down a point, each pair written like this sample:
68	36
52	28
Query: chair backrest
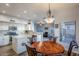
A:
31	51
72	44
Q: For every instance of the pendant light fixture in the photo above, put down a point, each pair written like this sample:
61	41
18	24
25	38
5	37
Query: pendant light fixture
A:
49	18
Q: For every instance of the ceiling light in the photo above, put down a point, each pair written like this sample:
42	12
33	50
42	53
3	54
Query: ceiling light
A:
7	4
25	11
3	11
49	18
12	20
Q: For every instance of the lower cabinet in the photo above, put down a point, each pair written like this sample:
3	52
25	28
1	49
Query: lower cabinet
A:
17	45
4	40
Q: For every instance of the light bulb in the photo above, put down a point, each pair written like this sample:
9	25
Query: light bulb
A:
49	20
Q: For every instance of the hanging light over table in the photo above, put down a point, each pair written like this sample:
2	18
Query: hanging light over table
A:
49	18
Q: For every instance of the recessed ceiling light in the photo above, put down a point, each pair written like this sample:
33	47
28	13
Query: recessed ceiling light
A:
7	4
25	11
3	11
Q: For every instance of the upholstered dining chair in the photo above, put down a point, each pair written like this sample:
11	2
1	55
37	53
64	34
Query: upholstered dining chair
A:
31	51
72	44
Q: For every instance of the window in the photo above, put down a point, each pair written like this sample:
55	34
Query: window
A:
68	31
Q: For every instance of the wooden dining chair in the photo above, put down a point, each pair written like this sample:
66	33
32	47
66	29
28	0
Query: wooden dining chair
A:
72	44
31	51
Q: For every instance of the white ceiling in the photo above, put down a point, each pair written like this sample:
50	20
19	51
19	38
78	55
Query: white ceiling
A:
35	11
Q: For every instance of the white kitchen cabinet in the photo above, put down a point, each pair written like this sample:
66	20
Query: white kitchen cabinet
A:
4	40
17	44
1	41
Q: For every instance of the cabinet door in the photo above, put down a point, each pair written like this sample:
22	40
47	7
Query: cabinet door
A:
6	40
20	48
1	41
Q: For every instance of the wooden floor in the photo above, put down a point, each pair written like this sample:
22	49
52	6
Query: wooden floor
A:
7	51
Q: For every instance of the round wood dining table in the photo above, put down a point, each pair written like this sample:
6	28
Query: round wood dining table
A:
48	47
